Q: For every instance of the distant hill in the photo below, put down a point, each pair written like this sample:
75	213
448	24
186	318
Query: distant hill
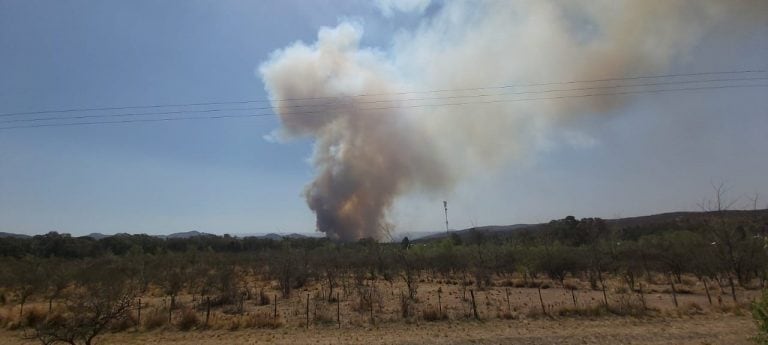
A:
679	216
97	236
465	233
619	223
8	234
665	219
279	236
188	234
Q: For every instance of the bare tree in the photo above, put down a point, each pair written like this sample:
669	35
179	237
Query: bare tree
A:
720	202
102	297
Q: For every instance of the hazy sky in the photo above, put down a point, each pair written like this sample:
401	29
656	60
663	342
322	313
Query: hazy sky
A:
654	153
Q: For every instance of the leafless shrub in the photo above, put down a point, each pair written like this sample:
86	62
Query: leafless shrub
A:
188	319
156	319
433	314
260	320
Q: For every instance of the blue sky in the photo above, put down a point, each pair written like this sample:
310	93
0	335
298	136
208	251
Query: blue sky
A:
653	154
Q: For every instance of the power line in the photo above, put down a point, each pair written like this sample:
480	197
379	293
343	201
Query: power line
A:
385	108
51	111
342	102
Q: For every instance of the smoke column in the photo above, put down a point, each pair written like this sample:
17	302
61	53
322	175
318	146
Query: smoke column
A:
371	149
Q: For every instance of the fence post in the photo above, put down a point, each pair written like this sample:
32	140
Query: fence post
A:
439	303
674	293
338	309
307	309
474	306
573	296
170	309
642	296
509	308
275	312
138	317
706	288
207	309
541	300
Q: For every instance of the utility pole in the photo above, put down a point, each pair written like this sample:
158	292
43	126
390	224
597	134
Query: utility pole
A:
445	205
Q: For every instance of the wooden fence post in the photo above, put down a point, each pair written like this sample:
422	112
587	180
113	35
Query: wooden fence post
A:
674	293
138	316
307	309
509	309
573	297
338	309
706	288
605	294
439	303
474	306
541	300
207	309
170	308
275	313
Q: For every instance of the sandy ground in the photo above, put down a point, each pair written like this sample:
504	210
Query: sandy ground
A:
709	329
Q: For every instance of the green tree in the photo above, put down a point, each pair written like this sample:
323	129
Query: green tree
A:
760	314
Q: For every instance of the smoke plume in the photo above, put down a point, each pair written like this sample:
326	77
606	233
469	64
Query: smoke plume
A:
375	140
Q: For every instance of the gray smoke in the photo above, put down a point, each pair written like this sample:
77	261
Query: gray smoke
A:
371	149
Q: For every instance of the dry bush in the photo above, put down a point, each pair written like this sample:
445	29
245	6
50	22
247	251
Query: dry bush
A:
588	311
264	298
32	317
323	315
621	289
406	307
520	283
532	284
507	315
679	289
687	281
433	314
188	320
624	306
156	319
506	283
260	320
123	323
628	306
735	309
5	317
234	323
369	297
570	286
691	308
231	310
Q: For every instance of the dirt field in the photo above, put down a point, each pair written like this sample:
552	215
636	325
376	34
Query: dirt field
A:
517	319
718	329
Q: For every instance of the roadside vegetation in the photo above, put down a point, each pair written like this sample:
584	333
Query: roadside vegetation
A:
58	288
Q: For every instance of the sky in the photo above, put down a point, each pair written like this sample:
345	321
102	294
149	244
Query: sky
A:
651	154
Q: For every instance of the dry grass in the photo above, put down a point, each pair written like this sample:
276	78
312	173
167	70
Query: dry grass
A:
397	314
261	320
433	314
188	319
156	319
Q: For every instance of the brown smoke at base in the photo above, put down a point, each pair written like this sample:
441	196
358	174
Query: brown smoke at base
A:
365	159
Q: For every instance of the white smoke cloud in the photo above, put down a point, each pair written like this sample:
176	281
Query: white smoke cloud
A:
367	158
389	7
